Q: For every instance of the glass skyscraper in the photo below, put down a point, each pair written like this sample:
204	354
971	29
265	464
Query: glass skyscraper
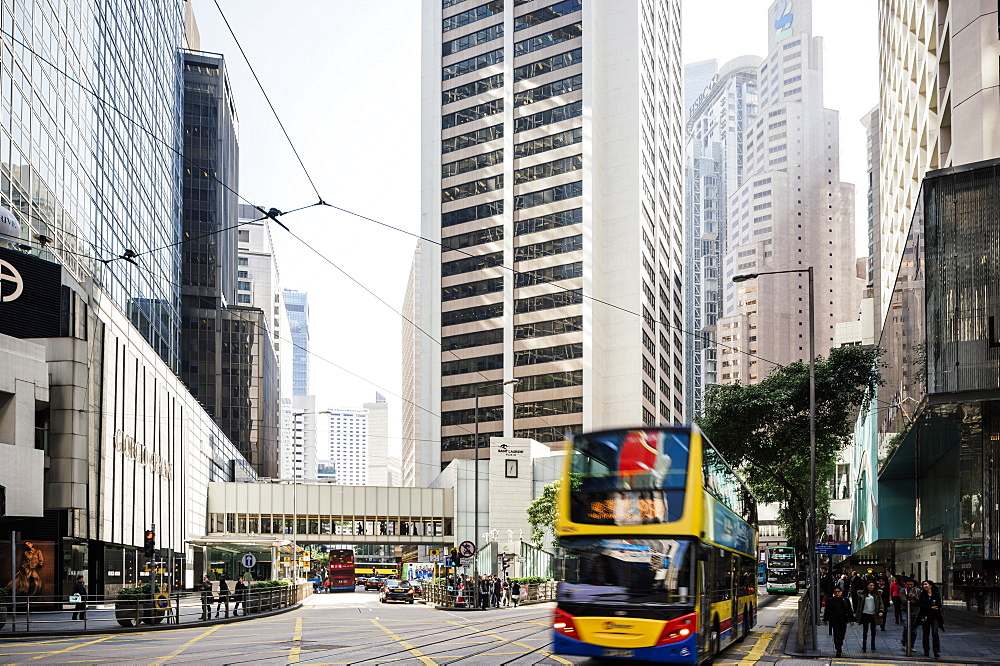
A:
101	176
297	306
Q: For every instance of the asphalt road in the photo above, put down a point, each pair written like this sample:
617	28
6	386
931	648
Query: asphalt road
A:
354	628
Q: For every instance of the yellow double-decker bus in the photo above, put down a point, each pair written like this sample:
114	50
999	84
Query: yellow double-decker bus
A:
658	540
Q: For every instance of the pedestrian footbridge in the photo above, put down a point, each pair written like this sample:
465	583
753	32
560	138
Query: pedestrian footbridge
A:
327	513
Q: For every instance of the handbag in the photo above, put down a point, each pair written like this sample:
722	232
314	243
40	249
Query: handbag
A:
75	599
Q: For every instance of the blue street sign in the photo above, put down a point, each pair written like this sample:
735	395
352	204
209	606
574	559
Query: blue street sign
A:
249	560
833	549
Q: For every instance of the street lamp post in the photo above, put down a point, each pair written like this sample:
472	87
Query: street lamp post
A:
475	534
811	520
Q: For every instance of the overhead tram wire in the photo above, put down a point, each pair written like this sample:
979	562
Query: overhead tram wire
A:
225	20
406	319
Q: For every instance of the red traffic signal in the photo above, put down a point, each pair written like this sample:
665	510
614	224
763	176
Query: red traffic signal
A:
149	544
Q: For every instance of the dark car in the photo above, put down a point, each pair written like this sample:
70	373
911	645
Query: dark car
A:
396	590
373	584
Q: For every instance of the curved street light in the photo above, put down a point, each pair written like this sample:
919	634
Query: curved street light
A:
811	521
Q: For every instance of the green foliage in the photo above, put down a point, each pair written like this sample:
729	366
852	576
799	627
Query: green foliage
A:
269	583
4	592
530	580
763	429
140	593
543	510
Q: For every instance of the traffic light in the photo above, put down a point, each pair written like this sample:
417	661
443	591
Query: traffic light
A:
149	544
456	559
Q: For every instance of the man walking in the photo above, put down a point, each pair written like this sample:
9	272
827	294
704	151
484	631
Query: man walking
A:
908	596
838	613
205	587
81	607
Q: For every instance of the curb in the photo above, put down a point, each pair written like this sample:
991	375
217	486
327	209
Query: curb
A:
473	609
148	627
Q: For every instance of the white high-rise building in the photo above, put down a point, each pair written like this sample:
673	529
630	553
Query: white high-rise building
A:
304	458
791	212
938	68
552	143
348	446
421	461
378	441
713	171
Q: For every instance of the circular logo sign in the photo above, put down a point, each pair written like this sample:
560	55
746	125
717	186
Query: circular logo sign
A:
249	560
9	274
9	226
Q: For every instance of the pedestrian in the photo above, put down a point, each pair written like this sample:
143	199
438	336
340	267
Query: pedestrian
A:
838	613
484	592
223	597
497	592
205	587
908	596
930	618
856	584
240	597
80	610
883	590
506	592
825	584
894	596
870	610
515	592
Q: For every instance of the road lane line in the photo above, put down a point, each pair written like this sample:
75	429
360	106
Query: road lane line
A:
74	647
409	646
293	654
763	643
556	658
191	642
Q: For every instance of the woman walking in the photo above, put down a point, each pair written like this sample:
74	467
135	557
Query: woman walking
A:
223	596
515	592
79	589
870	610
930	618
897	606
883	590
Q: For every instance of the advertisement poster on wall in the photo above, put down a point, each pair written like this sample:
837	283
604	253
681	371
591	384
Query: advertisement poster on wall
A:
36	567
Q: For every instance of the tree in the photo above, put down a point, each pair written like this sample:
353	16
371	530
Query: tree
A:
543	510
762	429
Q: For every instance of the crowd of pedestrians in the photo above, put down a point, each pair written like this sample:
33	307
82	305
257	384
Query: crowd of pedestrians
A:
490	591
852	597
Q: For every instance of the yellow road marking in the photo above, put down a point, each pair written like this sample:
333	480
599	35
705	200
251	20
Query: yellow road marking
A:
293	654
555	658
74	647
763	643
413	650
187	645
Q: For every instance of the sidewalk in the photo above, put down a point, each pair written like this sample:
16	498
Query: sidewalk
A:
101	620
962	642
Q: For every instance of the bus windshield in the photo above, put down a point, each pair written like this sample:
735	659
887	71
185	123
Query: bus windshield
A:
604	570
629	477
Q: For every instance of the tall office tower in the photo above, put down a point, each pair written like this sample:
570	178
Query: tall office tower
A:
348	445
939	107
713	170
227	359
873	143
378	441
697	77
77	172
421	460
791	212
297	306
552	152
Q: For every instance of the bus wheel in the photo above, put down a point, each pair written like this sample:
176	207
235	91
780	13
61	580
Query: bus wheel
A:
714	641
746	624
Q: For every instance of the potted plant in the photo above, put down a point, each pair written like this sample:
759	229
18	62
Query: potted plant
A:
135	604
4	600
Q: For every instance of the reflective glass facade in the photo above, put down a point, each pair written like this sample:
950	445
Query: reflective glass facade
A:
939	478
97	181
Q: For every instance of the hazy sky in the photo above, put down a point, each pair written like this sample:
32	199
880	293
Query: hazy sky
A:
344	77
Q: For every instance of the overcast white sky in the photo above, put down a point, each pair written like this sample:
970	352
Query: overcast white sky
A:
344	77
